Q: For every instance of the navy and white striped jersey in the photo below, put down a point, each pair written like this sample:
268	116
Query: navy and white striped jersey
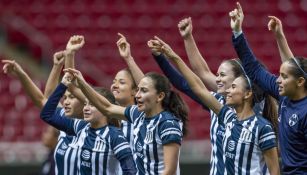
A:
99	150
60	157
91	151
127	129
217	132
244	142
150	134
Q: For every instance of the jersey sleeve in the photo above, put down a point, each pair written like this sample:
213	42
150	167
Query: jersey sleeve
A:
170	132
119	144
226	115
253	68
132	113
176	78
267	137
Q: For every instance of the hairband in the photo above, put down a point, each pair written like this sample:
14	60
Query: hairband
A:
298	65
248	80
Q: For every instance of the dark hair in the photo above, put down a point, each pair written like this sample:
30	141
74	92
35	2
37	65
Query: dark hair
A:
110	97
269	110
299	68
172	101
235	66
134	85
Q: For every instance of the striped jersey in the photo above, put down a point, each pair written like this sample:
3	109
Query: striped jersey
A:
127	129
98	151
150	134
60	157
244	142
217	132
91	151
292	117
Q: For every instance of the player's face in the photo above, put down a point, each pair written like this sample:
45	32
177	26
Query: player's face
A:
236	92
287	84
224	77
73	107
146	97
122	88
90	113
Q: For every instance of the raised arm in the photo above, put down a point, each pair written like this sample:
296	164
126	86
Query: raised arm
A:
194	82
54	117
74	44
37	97
54	76
275	26
198	63
172	73
125	53
252	67
99	101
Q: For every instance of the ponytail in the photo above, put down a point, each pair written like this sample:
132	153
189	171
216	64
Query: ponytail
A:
270	111
174	104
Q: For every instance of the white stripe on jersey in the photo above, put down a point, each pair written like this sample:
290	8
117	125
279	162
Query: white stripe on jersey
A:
267	138
216	135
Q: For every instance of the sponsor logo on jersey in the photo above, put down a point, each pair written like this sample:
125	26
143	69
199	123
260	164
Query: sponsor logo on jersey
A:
86	155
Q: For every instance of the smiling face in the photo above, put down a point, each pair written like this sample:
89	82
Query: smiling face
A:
123	88
73	107
224	77
147	97
287	83
237	93
90	113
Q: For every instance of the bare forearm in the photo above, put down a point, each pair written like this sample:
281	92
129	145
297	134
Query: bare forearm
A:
31	89
53	80
69	59
192	79
198	63
283	47
197	86
101	103
77	93
135	70
96	99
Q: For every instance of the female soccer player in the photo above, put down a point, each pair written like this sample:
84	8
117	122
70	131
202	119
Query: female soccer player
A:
124	84
159	121
72	103
227	72
290	89
249	139
97	147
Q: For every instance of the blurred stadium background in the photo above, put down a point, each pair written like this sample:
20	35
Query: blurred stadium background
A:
32	30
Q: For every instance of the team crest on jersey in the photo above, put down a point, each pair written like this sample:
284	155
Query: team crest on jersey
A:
86	155
149	137
293	120
246	135
231	145
64	146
